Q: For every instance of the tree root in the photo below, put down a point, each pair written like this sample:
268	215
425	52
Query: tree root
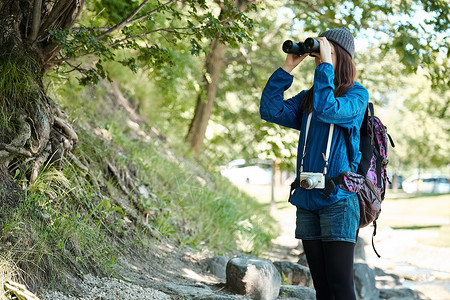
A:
17	146
116	174
38	164
68	130
14	150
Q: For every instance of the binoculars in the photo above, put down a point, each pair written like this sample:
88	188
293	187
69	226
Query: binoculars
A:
310	45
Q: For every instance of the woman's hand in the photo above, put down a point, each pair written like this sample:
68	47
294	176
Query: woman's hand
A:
293	60
326	50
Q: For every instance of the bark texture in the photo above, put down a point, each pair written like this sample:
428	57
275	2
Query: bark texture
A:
37	129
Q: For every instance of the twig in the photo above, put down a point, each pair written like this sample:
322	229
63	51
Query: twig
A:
129	20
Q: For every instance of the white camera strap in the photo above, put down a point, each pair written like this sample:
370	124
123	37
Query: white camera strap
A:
325	155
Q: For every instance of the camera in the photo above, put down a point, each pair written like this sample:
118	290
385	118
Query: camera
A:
310	181
310	45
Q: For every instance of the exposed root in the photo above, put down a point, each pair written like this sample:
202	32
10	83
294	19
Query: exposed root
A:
13	150
41	126
68	130
60	113
38	164
116	174
17	146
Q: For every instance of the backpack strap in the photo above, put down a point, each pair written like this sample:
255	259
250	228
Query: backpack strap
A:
349	147
373	235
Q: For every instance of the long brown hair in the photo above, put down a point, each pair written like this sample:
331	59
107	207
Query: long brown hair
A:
344	77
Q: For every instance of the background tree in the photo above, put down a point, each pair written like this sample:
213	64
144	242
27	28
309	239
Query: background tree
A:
213	67
398	41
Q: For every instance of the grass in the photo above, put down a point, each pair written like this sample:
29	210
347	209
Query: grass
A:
429	213
73	220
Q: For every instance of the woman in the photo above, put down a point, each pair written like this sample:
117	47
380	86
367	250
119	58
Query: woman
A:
327	226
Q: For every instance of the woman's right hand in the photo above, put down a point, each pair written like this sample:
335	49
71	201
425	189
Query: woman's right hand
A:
292	61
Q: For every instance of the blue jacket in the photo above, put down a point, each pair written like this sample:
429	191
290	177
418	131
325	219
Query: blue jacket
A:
346	112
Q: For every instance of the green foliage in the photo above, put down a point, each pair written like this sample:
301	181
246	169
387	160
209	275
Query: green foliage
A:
190	206
419	123
189	22
397	34
416	30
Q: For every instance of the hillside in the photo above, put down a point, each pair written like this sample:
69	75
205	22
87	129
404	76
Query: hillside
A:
126	204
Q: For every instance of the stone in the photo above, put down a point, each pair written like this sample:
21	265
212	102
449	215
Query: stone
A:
187	291
302	260
365	282
399	293
360	254
217	266
220	296
297	292
385	280
253	277
296	274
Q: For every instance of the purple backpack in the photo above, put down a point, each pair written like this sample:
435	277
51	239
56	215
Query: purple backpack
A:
371	179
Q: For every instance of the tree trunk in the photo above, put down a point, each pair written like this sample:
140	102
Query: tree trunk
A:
32	127
205	101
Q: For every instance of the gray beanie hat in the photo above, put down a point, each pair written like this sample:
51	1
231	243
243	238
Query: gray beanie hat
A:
343	37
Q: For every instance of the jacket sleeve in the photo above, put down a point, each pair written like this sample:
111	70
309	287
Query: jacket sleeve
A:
342	111
274	108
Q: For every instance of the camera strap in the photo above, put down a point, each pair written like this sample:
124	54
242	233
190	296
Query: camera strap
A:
296	183
325	155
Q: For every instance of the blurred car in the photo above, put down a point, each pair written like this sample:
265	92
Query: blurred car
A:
427	183
254	171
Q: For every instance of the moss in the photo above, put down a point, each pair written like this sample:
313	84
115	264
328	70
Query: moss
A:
19	76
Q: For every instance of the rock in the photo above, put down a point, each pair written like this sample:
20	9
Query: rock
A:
253	277
296	274
365	282
399	293
386	281
360	254
217	265
302	260
220	296
297	292
188	291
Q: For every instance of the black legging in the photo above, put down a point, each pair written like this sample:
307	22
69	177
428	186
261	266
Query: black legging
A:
331	265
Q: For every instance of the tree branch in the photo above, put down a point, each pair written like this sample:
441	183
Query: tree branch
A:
170	29
36	21
129	20
152	12
57	11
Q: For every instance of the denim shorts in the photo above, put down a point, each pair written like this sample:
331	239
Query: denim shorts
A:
336	222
